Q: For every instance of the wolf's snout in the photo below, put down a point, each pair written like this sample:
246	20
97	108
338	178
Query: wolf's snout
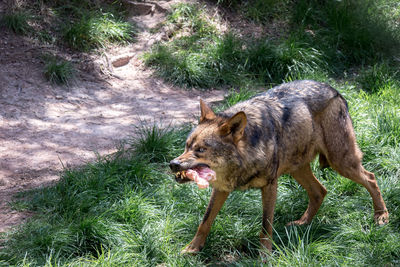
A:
175	165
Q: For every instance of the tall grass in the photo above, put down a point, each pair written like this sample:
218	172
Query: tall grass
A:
17	21
289	60
377	76
157	144
351	32
328	38
95	30
83	25
210	58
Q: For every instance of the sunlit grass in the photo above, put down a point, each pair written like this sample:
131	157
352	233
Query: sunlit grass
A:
206	57
326	38
95	30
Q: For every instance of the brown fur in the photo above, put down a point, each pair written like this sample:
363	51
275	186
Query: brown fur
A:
278	132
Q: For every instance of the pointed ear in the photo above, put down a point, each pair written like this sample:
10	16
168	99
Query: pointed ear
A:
206	112
234	126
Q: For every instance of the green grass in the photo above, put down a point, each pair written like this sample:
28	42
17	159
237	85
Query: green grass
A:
97	30
17	22
57	70
198	56
126	209
373	78
328	38
207	58
83	25
157	144
288	60
349	31
264	11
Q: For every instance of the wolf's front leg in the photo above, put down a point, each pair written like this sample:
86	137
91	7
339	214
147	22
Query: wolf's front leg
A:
268	194
216	201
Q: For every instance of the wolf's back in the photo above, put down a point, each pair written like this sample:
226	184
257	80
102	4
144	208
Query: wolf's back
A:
316	95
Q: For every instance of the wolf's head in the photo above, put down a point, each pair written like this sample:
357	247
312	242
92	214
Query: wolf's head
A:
214	144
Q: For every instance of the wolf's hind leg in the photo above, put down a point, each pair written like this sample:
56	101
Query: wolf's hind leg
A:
344	156
315	190
356	172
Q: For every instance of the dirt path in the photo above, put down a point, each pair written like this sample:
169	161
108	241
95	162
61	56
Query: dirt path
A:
42	125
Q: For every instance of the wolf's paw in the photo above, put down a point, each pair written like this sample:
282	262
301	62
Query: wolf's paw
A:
298	222
381	218
264	255
191	250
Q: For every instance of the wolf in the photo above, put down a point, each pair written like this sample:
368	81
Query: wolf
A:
280	131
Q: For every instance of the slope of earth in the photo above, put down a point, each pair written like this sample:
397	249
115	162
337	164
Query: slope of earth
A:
44	127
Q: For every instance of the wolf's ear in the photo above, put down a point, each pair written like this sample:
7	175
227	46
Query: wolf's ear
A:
234	126
206	112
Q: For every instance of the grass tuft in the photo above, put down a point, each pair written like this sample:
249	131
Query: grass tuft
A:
297	247
17	22
288	60
374	78
57	70
97	30
158	144
83	25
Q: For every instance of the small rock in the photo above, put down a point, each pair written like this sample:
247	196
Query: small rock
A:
121	60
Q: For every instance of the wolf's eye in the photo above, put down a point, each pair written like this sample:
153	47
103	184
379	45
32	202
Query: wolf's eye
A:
200	149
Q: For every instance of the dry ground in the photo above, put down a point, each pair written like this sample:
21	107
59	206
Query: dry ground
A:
43	126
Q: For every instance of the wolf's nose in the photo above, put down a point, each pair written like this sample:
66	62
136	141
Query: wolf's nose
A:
175	165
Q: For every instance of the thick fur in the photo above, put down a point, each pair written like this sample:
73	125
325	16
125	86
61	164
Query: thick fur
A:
277	132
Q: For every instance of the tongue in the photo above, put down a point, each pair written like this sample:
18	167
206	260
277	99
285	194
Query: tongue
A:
201	176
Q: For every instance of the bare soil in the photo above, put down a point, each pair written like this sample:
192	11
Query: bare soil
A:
44	127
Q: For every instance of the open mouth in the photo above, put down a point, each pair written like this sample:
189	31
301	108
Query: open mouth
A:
201	174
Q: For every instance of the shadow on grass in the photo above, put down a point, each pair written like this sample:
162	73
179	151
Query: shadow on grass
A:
325	38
